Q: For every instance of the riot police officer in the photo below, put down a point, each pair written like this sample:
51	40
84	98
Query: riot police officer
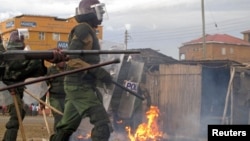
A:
16	71
81	98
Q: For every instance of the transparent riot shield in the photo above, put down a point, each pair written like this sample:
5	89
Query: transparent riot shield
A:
113	69
5	97
126	106
34	90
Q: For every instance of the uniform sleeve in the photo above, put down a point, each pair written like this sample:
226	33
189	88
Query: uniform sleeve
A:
36	68
21	69
81	38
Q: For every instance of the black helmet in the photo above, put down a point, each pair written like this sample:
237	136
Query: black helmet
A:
16	41
91	6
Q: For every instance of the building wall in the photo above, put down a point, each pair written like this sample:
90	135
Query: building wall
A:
216	51
246	36
36	24
176	90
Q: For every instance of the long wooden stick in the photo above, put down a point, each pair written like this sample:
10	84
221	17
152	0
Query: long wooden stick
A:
38	99
20	121
46	121
228	94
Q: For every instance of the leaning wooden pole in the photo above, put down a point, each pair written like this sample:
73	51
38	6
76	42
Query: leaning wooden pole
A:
39	100
20	121
232	72
46	122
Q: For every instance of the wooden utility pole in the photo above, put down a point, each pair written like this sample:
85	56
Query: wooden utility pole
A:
126	39
203	30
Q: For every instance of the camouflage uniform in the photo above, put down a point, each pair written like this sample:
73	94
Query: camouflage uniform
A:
81	94
56	92
17	71
2	49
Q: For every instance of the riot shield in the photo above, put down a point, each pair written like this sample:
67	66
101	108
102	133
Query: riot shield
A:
126	106
114	69
5	97
37	90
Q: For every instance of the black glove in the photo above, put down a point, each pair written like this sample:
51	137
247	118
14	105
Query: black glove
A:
102	75
58	56
107	79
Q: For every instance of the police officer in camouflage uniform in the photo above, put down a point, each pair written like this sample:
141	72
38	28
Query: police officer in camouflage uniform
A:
81	94
17	71
2	49
56	91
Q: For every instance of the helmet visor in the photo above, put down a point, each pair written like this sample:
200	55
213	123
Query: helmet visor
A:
100	10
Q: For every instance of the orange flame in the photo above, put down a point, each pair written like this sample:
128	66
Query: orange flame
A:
147	131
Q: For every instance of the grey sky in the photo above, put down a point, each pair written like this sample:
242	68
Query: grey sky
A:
158	24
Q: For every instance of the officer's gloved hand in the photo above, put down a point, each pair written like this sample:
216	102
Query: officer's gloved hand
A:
102	75
107	79
58	56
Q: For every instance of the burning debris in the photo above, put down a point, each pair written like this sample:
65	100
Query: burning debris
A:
147	131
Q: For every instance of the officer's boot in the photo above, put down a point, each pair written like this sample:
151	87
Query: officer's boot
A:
60	136
10	135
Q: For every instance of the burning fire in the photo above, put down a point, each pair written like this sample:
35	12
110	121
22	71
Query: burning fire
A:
147	131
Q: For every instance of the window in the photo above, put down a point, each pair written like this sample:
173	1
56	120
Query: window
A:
223	51
56	36
41	36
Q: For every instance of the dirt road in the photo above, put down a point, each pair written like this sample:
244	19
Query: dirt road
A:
34	127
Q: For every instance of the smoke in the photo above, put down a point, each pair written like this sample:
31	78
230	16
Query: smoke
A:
115	136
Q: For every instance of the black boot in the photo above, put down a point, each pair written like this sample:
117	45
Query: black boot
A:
10	135
61	136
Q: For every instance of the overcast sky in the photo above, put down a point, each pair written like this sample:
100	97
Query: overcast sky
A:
158	24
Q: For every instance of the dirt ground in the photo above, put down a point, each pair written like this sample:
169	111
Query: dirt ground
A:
34	128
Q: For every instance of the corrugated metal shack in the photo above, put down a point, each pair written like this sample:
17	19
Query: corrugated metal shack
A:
193	94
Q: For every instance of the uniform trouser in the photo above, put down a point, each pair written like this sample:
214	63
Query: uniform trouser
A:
82	103
57	103
12	125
